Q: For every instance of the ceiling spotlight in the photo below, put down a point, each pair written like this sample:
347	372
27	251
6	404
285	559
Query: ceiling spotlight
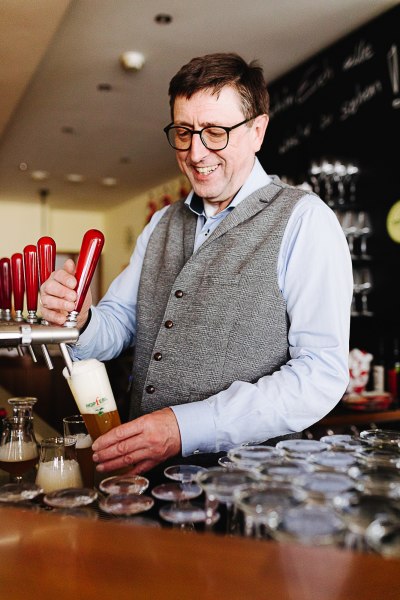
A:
104	87
23	166
163	19
132	60
74	177
109	181
39	175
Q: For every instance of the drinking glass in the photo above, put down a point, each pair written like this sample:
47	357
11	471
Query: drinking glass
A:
349	226
377	480
18	447
365	285
125	505
75	427
185	515
359	511
180	491
58	466
185	486
220	485
331	460
252	457
124	484
70	497
93	395
381	438
321	487
261	504
19	492
383	536
284	471
22	406
300	449
309	524
364	227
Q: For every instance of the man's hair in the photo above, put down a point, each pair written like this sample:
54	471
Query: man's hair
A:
215	71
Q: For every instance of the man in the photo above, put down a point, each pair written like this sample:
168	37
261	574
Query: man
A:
237	300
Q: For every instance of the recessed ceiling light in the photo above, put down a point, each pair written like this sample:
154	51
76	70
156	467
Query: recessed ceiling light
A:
109	181
39	175
163	19
104	87
132	60
74	177
67	129
23	166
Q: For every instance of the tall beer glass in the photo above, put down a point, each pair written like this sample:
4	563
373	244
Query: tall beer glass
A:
74	426
93	395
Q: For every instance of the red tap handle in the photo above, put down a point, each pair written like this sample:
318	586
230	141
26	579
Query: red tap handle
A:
31	277
46	255
92	245
5	274
18	284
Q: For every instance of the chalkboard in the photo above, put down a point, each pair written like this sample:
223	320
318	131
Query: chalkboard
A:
344	105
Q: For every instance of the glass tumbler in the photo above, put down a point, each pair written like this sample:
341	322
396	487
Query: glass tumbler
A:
58	466
75	427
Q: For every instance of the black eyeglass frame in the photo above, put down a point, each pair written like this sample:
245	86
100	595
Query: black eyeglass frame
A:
200	131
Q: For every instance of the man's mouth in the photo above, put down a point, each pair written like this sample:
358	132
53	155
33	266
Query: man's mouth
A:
205	170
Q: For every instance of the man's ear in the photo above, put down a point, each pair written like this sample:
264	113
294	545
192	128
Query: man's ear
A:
260	126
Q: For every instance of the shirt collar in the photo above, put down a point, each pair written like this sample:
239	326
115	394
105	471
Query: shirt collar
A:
257	179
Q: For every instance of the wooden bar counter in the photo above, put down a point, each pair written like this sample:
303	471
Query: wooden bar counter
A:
47	556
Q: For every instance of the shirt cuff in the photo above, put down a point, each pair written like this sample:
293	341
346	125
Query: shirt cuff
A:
196	426
86	336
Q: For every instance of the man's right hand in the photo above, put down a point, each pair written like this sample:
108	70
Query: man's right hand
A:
58	297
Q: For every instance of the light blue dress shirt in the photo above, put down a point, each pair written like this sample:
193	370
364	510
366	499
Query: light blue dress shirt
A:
315	277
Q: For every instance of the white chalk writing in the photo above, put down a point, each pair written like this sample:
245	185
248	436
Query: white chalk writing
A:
362	53
362	95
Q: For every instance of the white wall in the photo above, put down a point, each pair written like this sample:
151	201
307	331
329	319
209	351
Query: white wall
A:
24	223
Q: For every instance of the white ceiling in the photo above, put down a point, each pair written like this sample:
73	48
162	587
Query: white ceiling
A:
55	53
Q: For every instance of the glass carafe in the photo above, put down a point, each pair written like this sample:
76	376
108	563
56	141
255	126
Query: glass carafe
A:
18	447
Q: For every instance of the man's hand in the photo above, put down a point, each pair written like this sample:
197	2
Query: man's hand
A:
141	444
58	298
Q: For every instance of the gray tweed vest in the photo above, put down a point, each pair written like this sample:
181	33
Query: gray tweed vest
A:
209	318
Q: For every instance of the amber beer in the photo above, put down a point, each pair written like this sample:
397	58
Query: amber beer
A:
17	459
93	395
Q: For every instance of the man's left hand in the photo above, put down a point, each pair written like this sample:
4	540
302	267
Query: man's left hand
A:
141	444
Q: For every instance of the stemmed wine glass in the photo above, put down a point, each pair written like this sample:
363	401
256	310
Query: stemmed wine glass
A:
220	486
180	491
350	228
365	287
364	226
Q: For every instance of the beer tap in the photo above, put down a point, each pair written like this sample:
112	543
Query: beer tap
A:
18	288
92	245
89	254
32	287
5	274
18	285
46	256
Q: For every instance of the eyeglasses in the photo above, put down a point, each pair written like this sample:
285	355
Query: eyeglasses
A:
214	137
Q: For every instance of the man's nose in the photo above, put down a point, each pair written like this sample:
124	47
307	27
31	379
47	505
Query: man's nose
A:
197	150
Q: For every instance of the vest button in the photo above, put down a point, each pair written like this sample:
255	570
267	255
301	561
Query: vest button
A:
179	293
150	389
157	356
168	324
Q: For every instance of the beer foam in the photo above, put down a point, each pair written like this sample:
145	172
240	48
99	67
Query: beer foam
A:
91	387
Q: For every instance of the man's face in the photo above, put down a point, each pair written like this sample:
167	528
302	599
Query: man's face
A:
216	175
